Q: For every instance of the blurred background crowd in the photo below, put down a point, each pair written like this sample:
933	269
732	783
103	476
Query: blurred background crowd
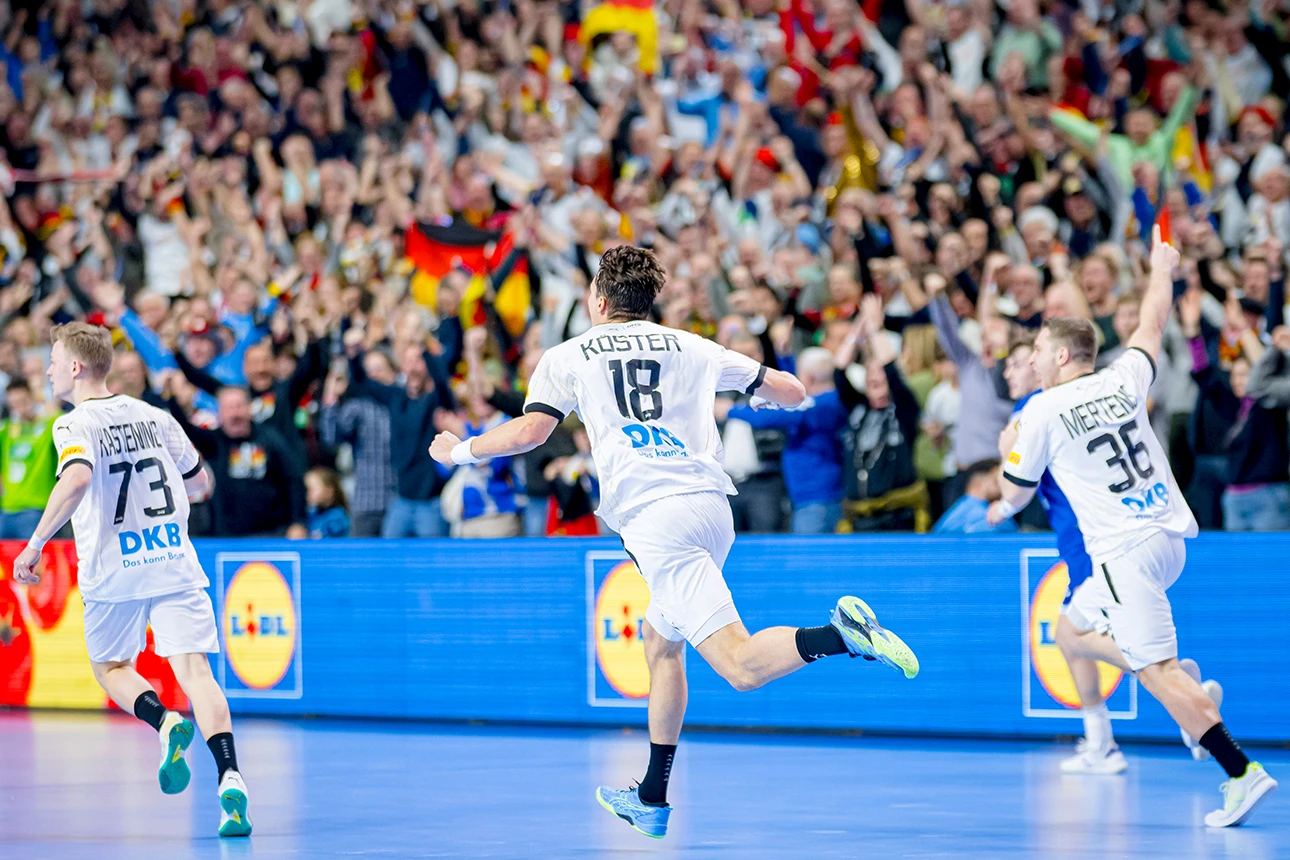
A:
322	231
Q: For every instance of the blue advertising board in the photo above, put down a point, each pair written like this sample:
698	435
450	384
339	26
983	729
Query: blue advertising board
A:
549	631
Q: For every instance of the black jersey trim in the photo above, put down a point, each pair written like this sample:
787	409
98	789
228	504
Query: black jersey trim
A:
1021	482
81	460
761	377
192	473
545	409
1151	361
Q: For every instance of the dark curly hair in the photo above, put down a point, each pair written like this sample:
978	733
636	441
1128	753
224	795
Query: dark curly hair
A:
629	279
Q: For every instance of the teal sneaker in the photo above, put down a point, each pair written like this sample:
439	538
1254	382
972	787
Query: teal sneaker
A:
176	736
866	638
233	820
626	804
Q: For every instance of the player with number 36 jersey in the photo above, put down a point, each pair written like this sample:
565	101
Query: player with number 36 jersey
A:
1090	430
1102	453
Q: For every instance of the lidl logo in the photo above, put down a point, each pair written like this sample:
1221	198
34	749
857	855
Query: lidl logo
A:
1048	690
260	620
617	598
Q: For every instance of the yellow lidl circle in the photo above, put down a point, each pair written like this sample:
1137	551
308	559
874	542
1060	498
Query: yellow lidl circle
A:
1045	656
259	625
620	614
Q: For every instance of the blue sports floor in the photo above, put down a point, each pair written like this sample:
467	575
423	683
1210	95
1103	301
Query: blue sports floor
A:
84	786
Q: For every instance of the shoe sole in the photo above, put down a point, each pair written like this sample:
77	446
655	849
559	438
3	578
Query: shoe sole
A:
1249	810
619	815
1087	772
884	646
174	773
233	802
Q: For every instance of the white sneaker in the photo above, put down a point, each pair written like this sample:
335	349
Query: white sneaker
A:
1242	796
176	736
1095	760
233	820
1214	690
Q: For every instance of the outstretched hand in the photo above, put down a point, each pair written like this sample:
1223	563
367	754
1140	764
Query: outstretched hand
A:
1164	256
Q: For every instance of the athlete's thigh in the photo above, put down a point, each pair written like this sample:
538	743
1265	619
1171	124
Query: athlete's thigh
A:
115	632
721	648
183	623
1140	616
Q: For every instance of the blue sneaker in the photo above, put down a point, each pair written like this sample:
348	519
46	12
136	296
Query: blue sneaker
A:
866	638
626	804
176	736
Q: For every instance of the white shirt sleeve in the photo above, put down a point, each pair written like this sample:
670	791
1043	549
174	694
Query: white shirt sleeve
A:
180	447
72	443
1029	457
1136	369
551	390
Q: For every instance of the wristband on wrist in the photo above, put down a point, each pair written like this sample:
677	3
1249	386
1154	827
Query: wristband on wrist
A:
37	543
462	456
1007	508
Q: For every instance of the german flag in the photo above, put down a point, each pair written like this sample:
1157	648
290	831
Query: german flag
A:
631	16
492	261
437	249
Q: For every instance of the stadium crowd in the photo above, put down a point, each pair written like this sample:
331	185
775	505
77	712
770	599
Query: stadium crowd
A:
323	231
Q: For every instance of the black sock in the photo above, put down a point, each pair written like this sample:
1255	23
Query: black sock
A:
222	748
653	788
1225	751
816	642
149	709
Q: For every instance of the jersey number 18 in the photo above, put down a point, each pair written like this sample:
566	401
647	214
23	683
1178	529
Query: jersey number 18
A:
644	398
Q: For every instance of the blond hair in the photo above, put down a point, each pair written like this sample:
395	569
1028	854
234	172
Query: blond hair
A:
91	345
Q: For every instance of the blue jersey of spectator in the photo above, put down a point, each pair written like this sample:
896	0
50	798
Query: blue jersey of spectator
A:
967	516
812	458
1070	541
329	523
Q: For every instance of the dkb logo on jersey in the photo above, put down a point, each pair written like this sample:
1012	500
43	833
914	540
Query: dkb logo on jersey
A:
260	620
616	601
1048	690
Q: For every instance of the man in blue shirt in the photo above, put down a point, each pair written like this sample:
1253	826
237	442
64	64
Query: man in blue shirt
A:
812	458
967	515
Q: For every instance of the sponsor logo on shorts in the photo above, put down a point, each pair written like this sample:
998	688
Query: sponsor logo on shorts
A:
617	598
1048	689
260	624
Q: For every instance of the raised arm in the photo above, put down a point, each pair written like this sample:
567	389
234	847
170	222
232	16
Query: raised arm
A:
1158	298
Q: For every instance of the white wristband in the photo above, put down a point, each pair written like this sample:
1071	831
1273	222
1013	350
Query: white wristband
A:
461	454
1007	508
36	544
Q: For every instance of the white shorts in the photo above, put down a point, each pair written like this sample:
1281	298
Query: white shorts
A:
1127	593
182	623
679	544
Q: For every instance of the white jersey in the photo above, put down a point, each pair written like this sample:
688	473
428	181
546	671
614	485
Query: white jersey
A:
1093	434
132	526
645	394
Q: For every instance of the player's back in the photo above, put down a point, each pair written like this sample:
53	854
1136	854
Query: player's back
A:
645	394
131	527
1095	435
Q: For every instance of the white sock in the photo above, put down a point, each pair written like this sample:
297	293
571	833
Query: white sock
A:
1097	726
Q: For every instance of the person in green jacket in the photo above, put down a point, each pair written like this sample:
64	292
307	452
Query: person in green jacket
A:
1142	141
27	463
